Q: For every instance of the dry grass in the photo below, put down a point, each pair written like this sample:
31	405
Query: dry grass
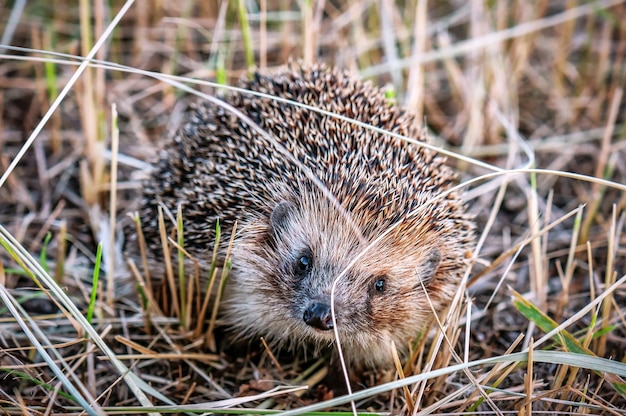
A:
506	83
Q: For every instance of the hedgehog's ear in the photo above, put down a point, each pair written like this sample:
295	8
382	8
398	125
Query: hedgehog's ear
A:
429	266
280	214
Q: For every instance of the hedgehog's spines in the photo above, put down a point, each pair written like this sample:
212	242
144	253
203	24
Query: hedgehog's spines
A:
218	167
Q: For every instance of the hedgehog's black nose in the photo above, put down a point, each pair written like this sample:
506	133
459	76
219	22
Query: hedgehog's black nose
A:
318	316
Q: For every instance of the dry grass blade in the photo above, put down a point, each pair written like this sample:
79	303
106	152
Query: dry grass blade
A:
601	169
77	390
177	81
405	390
554	357
83	66
30	264
13	19
607	292
112	209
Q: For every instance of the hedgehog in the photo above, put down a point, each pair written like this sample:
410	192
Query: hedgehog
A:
352	208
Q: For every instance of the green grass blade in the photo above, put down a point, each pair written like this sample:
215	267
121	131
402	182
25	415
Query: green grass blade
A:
94	288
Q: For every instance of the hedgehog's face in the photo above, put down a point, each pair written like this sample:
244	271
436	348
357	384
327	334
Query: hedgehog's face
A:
378	299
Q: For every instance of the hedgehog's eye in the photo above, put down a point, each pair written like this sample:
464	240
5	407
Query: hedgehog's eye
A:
303	264
379	285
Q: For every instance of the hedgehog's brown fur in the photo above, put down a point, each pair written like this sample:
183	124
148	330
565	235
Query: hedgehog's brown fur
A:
220	168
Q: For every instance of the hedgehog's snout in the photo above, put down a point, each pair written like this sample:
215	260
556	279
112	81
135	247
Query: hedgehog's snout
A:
318	316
